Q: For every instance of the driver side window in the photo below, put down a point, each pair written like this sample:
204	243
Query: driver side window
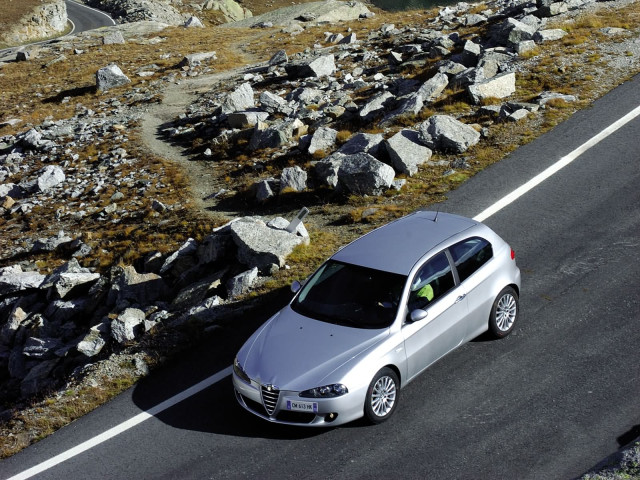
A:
431	282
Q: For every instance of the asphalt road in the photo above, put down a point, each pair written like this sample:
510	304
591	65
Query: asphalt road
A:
549	401
85	18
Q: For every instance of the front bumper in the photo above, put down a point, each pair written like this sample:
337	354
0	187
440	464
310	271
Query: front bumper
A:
328	411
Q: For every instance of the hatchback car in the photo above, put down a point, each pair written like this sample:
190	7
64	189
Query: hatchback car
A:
374	316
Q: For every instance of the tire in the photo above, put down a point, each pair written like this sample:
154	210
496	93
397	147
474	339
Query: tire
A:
382	396
504	313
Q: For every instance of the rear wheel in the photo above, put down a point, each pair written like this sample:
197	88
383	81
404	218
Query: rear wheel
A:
382	396
504	313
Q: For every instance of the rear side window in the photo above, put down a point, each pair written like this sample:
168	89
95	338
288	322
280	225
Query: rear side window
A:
469	255
434	279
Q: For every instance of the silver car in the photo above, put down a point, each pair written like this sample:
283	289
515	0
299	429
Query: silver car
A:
374	316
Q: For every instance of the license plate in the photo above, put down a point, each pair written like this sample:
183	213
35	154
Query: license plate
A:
302	406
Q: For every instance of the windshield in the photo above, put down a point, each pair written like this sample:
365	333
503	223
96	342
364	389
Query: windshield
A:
350	295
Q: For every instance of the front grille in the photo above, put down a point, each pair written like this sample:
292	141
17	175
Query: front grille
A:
270	398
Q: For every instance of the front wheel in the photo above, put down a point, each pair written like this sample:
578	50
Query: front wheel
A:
382	396
504	313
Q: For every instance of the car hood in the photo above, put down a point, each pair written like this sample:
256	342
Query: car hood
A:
294	352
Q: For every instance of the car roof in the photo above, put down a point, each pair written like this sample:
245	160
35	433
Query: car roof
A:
397	246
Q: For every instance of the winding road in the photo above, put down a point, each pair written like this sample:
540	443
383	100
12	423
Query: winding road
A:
549	401
85	18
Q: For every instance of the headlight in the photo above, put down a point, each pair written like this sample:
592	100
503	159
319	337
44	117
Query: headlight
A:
237	369
328	391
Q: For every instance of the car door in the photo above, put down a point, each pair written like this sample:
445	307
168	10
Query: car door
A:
433	289
470	258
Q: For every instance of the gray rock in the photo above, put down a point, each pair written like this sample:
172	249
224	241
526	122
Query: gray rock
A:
445	133
13	279
271	102
94	341
546	97
550	35
14	321
500	86
406	153
277	135
127	325
376	105
113	38
326	170
140	288
41	348
261	246
323	139
193	22
50	244
363	143
293	178
432	88
110	77
215	247
279	58
363	174
197	292
196	59
264	190
68	278
409	105
49	177
242	283
246	119
239	100
61	311
38	378
319	67
182	259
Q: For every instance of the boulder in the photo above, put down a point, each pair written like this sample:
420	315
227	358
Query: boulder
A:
445	133
260	246
113	38
246	119
239	100
271	102
39	378
242	283
110	77
182	259
93	342
318	67
279	58
13	279
363	143
432	88
131	286
323	140
69	279
193	22
326	170
376	105
215	247
406	153
363	174
199	291
49	177
277	135
195	59
500	86
127	325
231	10
550	35
293	178
408	105
41	348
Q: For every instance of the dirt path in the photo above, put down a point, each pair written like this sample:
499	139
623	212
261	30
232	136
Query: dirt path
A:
204	182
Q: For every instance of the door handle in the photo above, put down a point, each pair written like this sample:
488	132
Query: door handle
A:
460	298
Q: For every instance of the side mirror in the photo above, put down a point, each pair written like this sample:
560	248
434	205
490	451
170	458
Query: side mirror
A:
296	286
418	314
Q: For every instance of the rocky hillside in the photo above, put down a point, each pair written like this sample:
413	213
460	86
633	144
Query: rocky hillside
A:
105	250
45	20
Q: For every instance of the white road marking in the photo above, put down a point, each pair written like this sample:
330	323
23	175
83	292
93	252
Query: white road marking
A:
123	427
556	167
141	417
